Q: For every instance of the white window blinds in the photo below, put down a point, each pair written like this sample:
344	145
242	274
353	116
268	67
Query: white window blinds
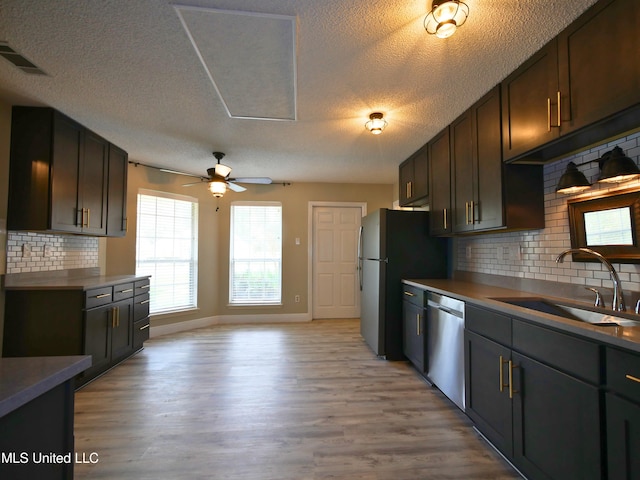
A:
255	253
167	249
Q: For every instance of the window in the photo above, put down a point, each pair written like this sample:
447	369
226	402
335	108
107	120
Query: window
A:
167	249
255	268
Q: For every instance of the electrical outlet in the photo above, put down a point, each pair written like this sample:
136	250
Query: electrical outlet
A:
26	250
47	251
297	298
469	252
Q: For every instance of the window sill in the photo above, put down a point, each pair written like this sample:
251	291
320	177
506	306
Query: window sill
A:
254	305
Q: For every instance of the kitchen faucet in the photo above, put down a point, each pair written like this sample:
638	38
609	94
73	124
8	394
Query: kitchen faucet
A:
618	297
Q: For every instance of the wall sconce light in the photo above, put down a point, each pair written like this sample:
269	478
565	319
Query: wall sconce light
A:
445	17
217	188
615	167
376	123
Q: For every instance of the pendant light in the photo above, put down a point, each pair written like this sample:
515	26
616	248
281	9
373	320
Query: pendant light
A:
445	17
615	167
217	188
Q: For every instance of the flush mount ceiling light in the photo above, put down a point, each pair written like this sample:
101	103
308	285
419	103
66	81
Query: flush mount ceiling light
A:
615	167
445	17
376	123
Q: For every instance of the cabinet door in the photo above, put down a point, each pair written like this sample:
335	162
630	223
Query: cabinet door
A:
529	103
93	184
117	192
406	181
487	211
441	216
97	337
486	389
421	174
623	438
600	73
122	329
556	423
65	176
462	160
413	334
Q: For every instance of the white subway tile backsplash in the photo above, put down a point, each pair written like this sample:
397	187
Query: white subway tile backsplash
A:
65	252
540	247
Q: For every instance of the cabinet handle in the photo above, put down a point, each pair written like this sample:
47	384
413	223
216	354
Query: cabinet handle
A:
126	291
145	286
501	369
511	390
445	218
632	378
409	294
113	317
126	224
144	327
466	213
103	295
409	189
418	323
559	114
144	301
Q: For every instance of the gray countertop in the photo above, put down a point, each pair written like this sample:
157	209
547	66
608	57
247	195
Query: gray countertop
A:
485	295
66	282
24	378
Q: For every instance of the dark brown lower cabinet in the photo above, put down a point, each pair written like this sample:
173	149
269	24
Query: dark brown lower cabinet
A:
543	419
623	438
414	327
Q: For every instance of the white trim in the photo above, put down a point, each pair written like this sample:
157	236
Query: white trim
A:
227	320
311	206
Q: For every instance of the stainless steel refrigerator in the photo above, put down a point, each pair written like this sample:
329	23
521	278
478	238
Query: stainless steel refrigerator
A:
393	244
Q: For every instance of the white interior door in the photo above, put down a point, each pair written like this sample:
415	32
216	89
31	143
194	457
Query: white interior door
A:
336	292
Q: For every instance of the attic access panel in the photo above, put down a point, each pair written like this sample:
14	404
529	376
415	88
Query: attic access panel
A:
249	58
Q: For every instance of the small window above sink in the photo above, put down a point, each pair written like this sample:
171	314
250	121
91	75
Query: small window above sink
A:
609	225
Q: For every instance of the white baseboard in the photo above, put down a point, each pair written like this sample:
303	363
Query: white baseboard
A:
227	320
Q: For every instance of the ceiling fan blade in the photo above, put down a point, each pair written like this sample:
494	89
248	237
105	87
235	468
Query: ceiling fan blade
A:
194	183
256	180
167	170
235	188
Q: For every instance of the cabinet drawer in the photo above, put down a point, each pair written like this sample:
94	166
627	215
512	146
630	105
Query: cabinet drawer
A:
489	324
98	296
572	355
140	307
623	373
413	294
140	332
122	291
141	286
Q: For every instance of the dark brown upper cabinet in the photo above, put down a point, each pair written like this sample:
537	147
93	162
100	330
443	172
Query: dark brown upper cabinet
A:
441	216
487	195
582	87
414	179
117	192
58	174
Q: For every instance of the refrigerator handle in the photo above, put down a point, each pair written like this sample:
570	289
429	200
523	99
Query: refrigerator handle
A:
359	267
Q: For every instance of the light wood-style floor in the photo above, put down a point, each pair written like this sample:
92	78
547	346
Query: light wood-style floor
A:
282	402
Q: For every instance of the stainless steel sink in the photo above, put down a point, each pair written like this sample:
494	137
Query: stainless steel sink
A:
572	312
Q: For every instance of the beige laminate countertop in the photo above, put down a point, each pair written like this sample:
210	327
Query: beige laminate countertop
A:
68	282
483	295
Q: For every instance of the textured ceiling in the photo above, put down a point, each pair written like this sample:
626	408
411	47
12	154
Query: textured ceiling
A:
127	70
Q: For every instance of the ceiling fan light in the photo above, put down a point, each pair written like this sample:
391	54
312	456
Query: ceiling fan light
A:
217	188
376	123
445	17
222	170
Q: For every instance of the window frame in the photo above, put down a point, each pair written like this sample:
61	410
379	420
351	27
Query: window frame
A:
242	302
191	298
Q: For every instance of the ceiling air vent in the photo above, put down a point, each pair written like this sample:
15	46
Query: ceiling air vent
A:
19	61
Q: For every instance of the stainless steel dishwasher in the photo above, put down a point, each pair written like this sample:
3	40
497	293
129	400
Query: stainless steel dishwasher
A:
445	346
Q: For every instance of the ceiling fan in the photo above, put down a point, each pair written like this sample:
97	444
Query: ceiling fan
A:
218	179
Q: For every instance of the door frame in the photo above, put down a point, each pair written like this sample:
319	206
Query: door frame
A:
311	206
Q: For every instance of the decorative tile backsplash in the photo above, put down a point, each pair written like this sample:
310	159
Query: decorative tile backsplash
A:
531	254
40	252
